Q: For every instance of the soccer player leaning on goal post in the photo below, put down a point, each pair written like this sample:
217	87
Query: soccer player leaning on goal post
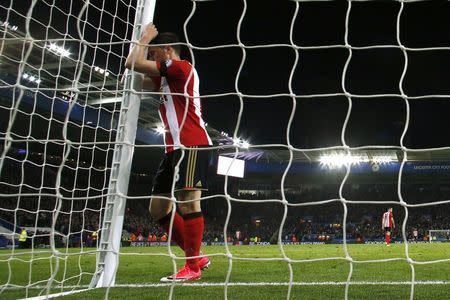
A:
388	224
166	72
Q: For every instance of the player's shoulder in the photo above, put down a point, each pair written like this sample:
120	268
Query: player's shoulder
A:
178	63
179	66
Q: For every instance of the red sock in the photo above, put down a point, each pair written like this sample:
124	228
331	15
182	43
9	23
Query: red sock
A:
194	225
177	228
388	238
385	238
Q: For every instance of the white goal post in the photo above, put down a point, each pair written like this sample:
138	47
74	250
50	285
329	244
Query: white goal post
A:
53	194
108	256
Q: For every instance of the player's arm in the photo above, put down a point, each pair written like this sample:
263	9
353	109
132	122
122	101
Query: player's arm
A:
148	84
136	60
393	223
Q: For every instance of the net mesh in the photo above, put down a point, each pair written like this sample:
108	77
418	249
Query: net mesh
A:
60	61
58	129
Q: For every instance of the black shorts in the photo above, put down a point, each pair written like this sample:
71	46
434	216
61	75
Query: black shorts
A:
192	175
387	229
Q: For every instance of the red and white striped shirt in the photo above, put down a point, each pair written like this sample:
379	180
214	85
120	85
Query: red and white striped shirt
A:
387	219
172	107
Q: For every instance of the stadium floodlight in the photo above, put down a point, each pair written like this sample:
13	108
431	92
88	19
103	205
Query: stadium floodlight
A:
101	71
61	51
31	78
160	129
337	160
381	159
8	25
241	143
245	144
66	95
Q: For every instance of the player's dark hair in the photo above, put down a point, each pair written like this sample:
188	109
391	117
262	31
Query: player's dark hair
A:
165	38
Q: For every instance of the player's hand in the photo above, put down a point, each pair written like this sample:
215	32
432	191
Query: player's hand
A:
149	32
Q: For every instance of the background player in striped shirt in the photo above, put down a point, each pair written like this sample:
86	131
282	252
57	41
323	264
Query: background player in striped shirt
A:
388	224
184	126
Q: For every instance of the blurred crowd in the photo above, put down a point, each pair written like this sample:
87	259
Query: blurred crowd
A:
312	213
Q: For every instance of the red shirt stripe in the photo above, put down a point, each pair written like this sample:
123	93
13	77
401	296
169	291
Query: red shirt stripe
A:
172	109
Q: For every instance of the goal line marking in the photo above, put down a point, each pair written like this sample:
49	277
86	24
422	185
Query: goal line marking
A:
85	288
137	285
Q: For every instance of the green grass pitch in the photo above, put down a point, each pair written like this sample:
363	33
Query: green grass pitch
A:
144	266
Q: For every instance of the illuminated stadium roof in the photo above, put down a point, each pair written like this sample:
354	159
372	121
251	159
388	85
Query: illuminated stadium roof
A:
360	155
54	67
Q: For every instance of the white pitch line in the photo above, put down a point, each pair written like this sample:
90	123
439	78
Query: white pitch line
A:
208	284
56	295
286	283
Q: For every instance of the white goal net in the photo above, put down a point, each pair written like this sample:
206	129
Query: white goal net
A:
323	104
61	66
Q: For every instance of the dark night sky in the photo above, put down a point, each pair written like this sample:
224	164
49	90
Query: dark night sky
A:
318	121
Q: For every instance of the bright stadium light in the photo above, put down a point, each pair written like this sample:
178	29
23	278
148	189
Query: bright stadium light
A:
58	50
241	143
31	78
66	95
337	160
160	129
381	159
9	26
101	71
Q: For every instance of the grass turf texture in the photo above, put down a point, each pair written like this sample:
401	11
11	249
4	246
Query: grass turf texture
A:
144	266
